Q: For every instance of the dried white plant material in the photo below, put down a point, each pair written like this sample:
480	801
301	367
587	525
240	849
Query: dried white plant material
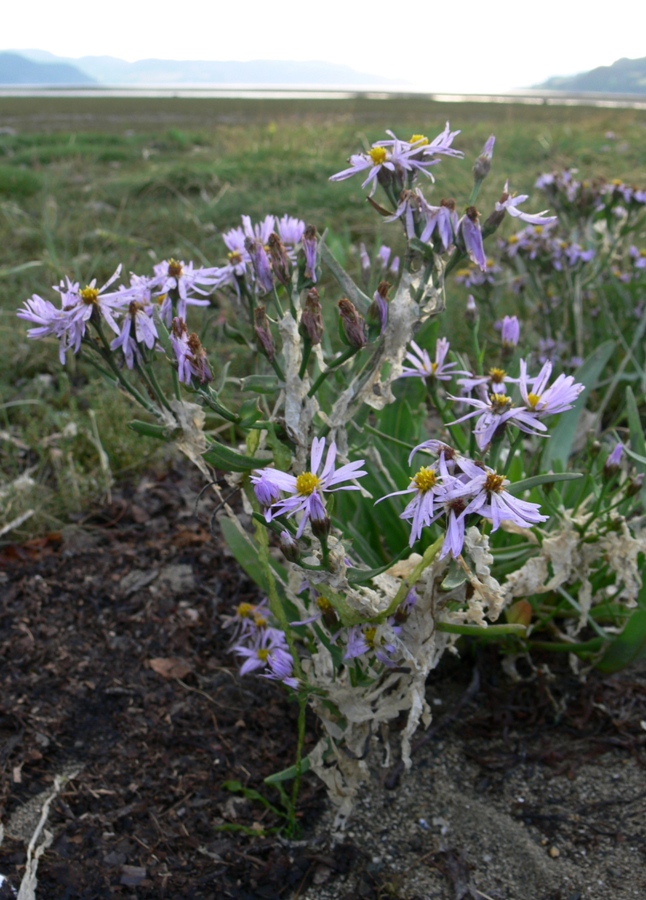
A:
37	846
404	567
299	409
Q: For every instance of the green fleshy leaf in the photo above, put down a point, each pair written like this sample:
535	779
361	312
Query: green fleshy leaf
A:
628	647
147	429
222	457
347	285
518	487
288	774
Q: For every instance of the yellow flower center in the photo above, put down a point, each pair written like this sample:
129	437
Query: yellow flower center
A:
493	483
161	298
532	400
89	295
259	621
245	610
497	375
263	654
538	229
642	253
499	402
434	368
324	604
378	155
307	483
174	268
420	139
235	257
425	479
369	635
513	239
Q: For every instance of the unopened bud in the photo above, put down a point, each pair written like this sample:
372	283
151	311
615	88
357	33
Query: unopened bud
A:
352	325
482	165
289	547
635	485
378	312
309	245
471	314
280	263
520	613
510	332
260	263
613	463
311	325
263	334
321	527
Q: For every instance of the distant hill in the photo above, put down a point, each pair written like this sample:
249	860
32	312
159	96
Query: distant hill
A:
17	69
626	76
108	70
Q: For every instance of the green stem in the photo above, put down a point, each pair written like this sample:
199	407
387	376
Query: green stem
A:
347	354
307	348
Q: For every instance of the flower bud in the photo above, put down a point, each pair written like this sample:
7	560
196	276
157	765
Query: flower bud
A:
263	334
289	547
311	325
352	325
309	244
378	312
321	527
471	314
510	332
635	485
280	262
260	262
482	165
613	463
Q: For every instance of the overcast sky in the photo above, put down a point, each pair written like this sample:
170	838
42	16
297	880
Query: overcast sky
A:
463	46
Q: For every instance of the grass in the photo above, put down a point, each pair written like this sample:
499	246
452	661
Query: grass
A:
86	184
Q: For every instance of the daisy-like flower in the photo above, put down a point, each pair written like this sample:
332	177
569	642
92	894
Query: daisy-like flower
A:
189	354
51	321
392	156
174	277
490	499
427	487
83	302
362	640
268	650
260	231
495	381
510	204
144	328
495	411
290	231
307	489
548	401
424	368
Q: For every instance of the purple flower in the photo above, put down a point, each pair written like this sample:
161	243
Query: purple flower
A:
424	368
544	400
428	489
174	280
145	331
189	354
291	231
309	244
490	499
482	165
510	331
471	235
508	203
494	412
306	490
260	262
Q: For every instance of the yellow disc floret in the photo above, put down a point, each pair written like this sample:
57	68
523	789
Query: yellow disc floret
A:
499	402
262	653
497	375
425	479
369	636
245	610
533	400
174	268
307	483
378	155
89	295
419	139
494	483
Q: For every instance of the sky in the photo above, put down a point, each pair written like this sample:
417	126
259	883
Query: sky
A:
473	47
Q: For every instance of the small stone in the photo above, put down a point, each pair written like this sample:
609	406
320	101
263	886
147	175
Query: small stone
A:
554	852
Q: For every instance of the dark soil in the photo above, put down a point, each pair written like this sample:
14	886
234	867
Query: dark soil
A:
116	671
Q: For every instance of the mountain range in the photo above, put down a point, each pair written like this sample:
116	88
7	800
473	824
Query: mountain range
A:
39	67
625	76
